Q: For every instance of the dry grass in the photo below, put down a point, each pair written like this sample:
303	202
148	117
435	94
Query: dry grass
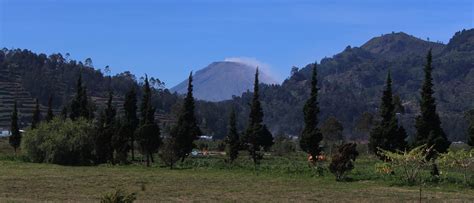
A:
45	182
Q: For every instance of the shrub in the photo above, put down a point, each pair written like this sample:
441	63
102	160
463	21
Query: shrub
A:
64	142
119	196
410	162
462	159
343	160
169	154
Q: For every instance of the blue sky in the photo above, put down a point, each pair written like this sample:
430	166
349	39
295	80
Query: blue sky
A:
167	39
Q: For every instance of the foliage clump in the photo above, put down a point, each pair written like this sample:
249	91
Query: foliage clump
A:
343	160
64	142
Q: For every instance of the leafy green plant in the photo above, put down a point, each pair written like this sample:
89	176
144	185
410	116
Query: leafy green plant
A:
118	196
463	159
411	163
64	142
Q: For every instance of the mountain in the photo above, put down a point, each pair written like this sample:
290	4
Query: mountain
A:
222	80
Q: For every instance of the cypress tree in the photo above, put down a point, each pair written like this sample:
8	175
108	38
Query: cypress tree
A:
148	136
15	137
387	134
311	135
233	139
49	114
428	124
146	100
257	136
186	129
131	120
36	118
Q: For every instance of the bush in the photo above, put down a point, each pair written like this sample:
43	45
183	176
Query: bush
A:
459	159
64	142
119	196
169	154
343	160
410	162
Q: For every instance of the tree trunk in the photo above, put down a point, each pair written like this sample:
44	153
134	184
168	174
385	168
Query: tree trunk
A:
151	156
133	151
148	160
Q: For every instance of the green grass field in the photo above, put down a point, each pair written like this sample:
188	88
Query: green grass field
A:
278	179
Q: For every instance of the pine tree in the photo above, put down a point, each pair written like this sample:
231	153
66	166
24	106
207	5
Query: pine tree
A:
387	135
130	108
233	139
186	129
428	124
15	137
36	118
257	136
49	114
148	136
105	132
311	135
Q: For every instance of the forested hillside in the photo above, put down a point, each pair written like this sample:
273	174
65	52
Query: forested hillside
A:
352	82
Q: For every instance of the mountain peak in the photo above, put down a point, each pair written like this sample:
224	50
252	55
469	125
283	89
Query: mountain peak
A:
223	79
399	44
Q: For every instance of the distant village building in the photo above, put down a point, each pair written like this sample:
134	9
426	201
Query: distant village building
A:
205	137
4	133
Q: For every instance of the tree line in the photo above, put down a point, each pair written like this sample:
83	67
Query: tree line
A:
114	136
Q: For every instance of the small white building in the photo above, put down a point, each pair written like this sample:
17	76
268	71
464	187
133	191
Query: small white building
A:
4	133
205	137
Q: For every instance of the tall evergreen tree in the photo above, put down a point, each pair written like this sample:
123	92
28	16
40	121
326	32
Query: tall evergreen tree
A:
311	135
148	136
387	135
105	132
428	124
36	118
15	137
257	136
50	114
186	129
233	139
80	106
131	119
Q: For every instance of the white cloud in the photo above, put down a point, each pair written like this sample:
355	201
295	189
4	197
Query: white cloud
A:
253	62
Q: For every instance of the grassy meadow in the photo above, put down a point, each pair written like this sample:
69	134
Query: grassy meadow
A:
210	179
